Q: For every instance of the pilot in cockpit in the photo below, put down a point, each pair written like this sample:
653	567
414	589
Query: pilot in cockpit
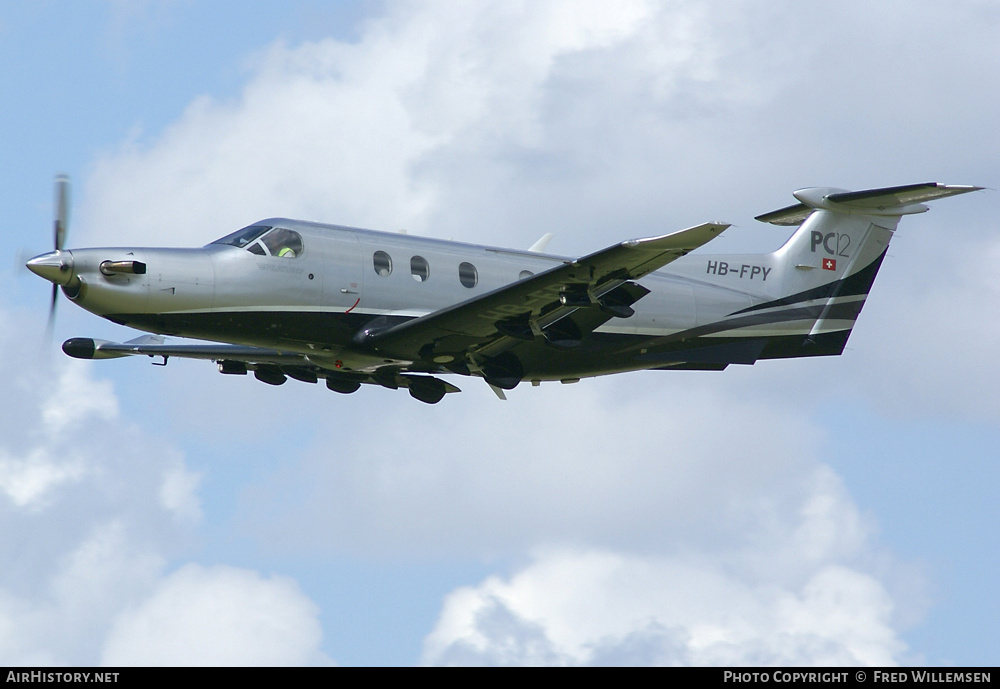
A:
278	241
283	243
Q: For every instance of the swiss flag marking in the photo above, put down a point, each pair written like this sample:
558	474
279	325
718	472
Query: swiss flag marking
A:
829	264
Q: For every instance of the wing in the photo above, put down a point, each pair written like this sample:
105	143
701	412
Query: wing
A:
151	345
559	305
268	365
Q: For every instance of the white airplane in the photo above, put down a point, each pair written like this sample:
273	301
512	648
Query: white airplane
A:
291	299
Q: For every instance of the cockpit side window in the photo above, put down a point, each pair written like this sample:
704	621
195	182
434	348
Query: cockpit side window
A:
283	243
240	238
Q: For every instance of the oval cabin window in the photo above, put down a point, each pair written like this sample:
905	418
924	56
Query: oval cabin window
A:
383	264
419	268
468	275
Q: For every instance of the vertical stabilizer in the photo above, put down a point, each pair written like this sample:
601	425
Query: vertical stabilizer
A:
817	282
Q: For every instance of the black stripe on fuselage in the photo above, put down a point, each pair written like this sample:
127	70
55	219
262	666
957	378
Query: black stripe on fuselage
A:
857	284
847	311
598	352
278	329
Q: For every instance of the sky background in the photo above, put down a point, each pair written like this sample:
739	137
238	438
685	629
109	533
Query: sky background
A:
830	511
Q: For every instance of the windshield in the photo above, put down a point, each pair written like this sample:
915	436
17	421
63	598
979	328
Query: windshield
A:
265	240
243	237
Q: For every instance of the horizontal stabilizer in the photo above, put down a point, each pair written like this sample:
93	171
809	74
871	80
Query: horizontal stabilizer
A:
894	197
897	201
792	216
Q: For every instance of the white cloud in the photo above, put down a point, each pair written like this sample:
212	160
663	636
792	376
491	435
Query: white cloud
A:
703	528
179	492
606	461
218	616
594	607
76	398
38	457
383	132
37	454
25	480
93	509
928	336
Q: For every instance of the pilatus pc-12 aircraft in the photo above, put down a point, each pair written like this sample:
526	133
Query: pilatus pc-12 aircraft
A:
290	299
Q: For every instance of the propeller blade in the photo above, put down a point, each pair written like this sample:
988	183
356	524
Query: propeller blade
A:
61	224
62	210
52	313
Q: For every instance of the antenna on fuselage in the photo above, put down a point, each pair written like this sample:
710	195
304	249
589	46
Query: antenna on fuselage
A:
539	246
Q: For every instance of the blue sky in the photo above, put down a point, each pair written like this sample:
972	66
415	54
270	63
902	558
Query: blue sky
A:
177	516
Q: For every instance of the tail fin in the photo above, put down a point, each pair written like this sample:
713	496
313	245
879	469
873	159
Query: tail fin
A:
823	273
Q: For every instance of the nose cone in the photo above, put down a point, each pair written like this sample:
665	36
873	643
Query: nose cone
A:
55	266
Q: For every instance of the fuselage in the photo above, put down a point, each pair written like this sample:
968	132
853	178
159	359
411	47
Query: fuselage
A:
285	298
315	288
